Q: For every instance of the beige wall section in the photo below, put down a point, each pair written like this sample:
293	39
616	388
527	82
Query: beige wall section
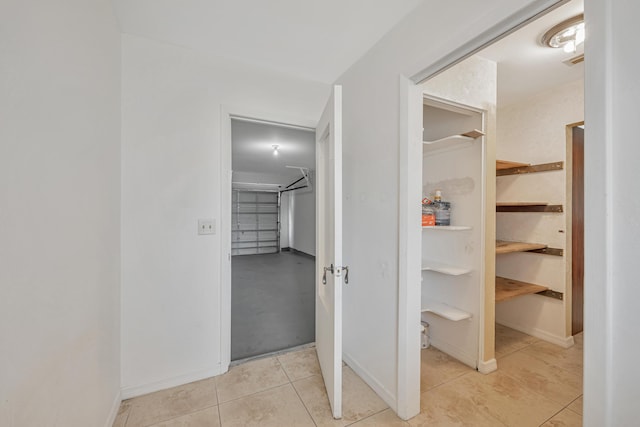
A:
473	82
534	131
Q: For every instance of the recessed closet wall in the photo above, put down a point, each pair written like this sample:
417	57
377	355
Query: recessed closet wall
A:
471	83
533	131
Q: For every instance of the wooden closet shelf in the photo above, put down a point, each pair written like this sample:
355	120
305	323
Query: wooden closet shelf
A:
518	170
507	289
528	207
522	204
506	164
505	247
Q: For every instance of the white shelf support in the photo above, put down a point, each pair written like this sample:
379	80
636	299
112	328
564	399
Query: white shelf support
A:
446	311
449	270
447	227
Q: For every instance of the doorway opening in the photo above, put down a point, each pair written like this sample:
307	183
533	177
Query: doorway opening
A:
272	237
525	291
575	223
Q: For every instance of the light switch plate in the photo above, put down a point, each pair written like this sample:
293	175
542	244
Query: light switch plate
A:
206	226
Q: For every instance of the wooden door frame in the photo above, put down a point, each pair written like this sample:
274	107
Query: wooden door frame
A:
568	300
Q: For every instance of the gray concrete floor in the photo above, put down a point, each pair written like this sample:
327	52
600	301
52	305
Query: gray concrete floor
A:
272	303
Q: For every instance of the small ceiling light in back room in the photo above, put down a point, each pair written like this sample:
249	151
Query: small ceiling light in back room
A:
567	35
275	149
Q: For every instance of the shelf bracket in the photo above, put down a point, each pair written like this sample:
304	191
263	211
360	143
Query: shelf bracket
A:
552	294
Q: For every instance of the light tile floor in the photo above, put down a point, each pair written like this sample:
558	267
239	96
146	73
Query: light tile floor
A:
537	384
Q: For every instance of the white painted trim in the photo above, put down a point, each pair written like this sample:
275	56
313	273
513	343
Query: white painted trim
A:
564	342
599	283
386	395
409	249
115	407
224	296
483	251
226	114
486	367
502	29
135	391
272	123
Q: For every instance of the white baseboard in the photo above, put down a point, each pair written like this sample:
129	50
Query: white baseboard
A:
564	342
455	352
487	366
380	390
139	390
115	407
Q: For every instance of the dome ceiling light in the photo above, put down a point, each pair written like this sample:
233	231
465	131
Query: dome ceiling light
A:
567	35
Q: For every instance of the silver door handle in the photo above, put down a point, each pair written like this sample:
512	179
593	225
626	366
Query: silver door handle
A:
324	276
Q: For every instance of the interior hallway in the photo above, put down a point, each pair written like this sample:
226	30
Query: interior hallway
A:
538	384
272	303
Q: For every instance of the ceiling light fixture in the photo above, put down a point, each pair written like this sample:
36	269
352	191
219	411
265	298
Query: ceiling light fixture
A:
275	149
567	35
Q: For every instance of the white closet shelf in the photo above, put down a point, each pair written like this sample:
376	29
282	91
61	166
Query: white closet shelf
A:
467	136
444	310
444	268
446	227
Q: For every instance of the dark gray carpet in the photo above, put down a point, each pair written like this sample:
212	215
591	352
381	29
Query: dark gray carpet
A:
272	303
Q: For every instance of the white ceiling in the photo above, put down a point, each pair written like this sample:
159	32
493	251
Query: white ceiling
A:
314	40
525	67
252	151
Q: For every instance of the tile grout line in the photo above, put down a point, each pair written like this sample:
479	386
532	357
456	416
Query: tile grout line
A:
126	420
215	383
252	394
540	394
368	416
178	416
286	374
304	405
555	365
449	380
296	391
255	392
571	403
551	417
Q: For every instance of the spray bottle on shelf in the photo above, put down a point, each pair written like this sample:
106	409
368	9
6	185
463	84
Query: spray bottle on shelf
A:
443	210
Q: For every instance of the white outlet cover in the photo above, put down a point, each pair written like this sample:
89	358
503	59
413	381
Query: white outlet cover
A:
206	226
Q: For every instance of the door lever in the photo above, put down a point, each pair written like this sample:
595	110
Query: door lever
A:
324	276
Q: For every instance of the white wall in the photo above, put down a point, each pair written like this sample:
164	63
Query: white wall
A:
371	145
612	229
59	213
171	111
284	220
533	130
302	211
473	83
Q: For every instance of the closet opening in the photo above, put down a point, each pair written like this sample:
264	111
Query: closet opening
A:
272	237
501	277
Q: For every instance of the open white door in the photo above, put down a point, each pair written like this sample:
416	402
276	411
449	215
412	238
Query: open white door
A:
329	270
